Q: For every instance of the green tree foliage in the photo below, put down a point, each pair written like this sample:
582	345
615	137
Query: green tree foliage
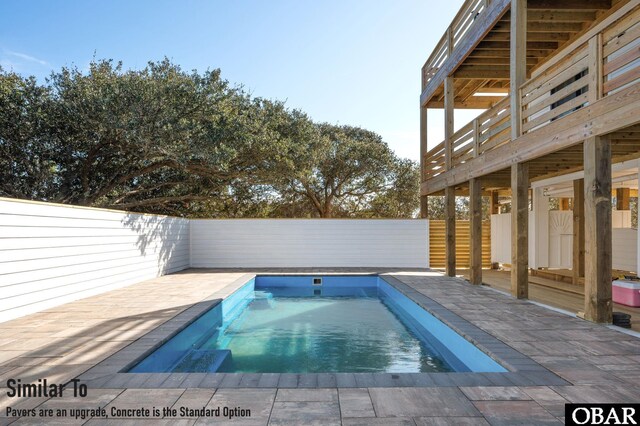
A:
436	205
167	141
344	171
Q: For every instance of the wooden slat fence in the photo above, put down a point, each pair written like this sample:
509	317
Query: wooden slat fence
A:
437	244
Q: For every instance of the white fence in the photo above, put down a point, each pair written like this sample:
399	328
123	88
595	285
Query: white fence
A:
52	254
309	243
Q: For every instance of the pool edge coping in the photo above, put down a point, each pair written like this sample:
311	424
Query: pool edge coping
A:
522	370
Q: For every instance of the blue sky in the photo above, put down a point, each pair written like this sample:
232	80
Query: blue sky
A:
351	62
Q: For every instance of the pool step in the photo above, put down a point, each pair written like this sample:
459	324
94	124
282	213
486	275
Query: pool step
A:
205	360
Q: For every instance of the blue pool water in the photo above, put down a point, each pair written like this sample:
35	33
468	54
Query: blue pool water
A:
342	324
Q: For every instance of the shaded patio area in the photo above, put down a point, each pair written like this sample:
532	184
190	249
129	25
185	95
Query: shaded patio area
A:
558	294
595	363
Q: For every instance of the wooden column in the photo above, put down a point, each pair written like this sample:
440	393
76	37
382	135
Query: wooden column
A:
423	152
450	230
519	230
518	62
578	230
475	232
449	192
494	204
520	171
597	215
448	122
622	199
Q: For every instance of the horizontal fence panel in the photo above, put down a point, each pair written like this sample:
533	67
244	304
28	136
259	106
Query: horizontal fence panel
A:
18	295
309	243
86	241
52	254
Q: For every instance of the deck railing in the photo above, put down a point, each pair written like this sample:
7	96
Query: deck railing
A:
459	27
605	62
621	54
558	91
488	131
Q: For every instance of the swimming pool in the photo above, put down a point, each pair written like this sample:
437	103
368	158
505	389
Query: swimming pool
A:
313	324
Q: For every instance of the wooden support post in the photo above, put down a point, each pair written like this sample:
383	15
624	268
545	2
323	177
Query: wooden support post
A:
450	230
475	232
518	62
597	215
595	68
423	152
448	122
622	199
423	140
578	230
519	230
424	207
494	203
476	138
519	171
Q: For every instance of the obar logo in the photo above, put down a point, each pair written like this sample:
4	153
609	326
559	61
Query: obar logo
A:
602	414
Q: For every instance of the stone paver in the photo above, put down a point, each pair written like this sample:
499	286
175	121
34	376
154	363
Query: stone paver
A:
514	412
497	393
259	401
356	403
416	402
307	395
194	399
553	359
381	421
305	413
450	421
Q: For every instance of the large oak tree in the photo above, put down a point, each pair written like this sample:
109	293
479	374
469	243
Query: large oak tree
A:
164	140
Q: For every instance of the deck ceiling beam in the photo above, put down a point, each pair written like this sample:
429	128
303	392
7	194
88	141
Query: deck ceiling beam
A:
569	4
501	45
483	24
542	27
504	53
551	16
470	89
471	104
494	61
482	73
531	36
504	90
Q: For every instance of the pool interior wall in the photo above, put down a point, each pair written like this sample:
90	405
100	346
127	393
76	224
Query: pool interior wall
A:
459	354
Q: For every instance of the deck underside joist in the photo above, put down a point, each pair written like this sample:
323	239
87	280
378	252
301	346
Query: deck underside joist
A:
480	61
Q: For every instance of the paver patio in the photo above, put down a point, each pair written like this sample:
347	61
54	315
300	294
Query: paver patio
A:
597	363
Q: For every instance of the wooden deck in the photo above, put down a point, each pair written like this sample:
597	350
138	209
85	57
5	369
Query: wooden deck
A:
558	294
